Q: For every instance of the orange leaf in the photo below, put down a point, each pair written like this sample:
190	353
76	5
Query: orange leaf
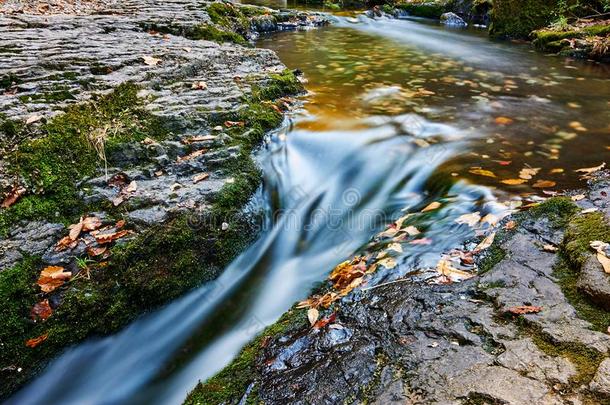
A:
525	309
41	310
323	322
36	341
230	124
13	196
109	237
503	121
96	250
513	182
91	224
544	184
193	155
52	277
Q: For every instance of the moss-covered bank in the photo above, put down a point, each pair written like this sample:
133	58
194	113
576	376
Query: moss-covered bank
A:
147	271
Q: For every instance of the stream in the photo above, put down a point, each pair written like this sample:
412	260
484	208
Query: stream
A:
400	114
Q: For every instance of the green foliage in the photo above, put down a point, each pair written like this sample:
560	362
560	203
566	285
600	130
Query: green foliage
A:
427	9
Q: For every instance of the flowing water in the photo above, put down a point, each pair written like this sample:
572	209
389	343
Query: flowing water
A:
401	114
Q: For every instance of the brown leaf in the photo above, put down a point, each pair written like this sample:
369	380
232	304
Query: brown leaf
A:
96	250
323	322
65	243
41	310
231	124
75	230
36	341
91	224
524	309
52	277
192	155
110	237
13	196
503	121
445	268
590	170
544	184
200	177
510	225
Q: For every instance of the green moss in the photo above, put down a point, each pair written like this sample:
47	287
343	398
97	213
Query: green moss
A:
50	165
585	359
517	18
559	210
550	40
427	9
228	16
229	385
211	33
581	230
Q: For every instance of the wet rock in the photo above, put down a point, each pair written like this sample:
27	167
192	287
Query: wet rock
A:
601	381
35	238
594	282
453	19
265	23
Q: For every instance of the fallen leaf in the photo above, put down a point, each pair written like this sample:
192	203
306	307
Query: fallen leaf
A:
589	210
151	61
41	310
524	309
397	247
323	322
75	230
528	172
544	184
33	118
550	248
36	341
110	237
578	197
445	268
313	315
52	277
590	170
482	172
200	177
469	219
388	263
65	243
601	247
200	138
91	224
199	85
411	230
485	243
192	155
13	196
231	124
510	225
490	219
432	206
513	182
132	187
503	121
421	241
556	171
96	250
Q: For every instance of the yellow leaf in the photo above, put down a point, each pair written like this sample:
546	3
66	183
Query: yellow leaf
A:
578	197
491	219
513	182
445	268
482	172
388	263
485	243
397	247
544	184
470	219
432	206
528	172
503	121
589	170
411	230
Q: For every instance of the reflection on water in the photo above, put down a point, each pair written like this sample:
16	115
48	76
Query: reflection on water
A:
391	102
524	108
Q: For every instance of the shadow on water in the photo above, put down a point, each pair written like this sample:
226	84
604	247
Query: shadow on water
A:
399	115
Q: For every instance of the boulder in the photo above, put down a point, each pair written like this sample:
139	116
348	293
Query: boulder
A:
594	282
453	19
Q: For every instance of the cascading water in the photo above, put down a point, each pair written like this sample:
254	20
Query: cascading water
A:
331	183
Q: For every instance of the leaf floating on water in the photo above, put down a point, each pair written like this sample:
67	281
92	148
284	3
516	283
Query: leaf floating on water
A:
397	247
524	309
513	182
41	310
13	196
469	219
557	171
52	277
577	126
503	121
490	219
528	172
601	248
312	315
432	206
36	341
411	230
482	172
389	263
544	184
591	170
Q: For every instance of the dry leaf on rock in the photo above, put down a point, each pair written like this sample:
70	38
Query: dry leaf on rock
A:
323	322
397	247
200	138
13	196
601	248
37	340
200	177
578	197
151	61
312	315
469	219
96	250
445	268
510	225
550	248
524	309
110	237
199	85
41	310
231	124
52	277
432	206
192	155
411	230
590	170
485	243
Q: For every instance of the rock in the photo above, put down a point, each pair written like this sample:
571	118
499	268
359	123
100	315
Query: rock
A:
453	19
264	23
35	238
601	381
594	282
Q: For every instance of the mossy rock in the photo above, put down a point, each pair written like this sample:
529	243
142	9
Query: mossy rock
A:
518	18
426	9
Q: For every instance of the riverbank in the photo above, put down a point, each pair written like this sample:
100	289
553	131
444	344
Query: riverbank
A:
126	134
532	326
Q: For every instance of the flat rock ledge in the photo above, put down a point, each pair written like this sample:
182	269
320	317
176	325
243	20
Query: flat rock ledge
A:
416	343
58	53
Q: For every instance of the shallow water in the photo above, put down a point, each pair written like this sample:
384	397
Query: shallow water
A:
400	114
